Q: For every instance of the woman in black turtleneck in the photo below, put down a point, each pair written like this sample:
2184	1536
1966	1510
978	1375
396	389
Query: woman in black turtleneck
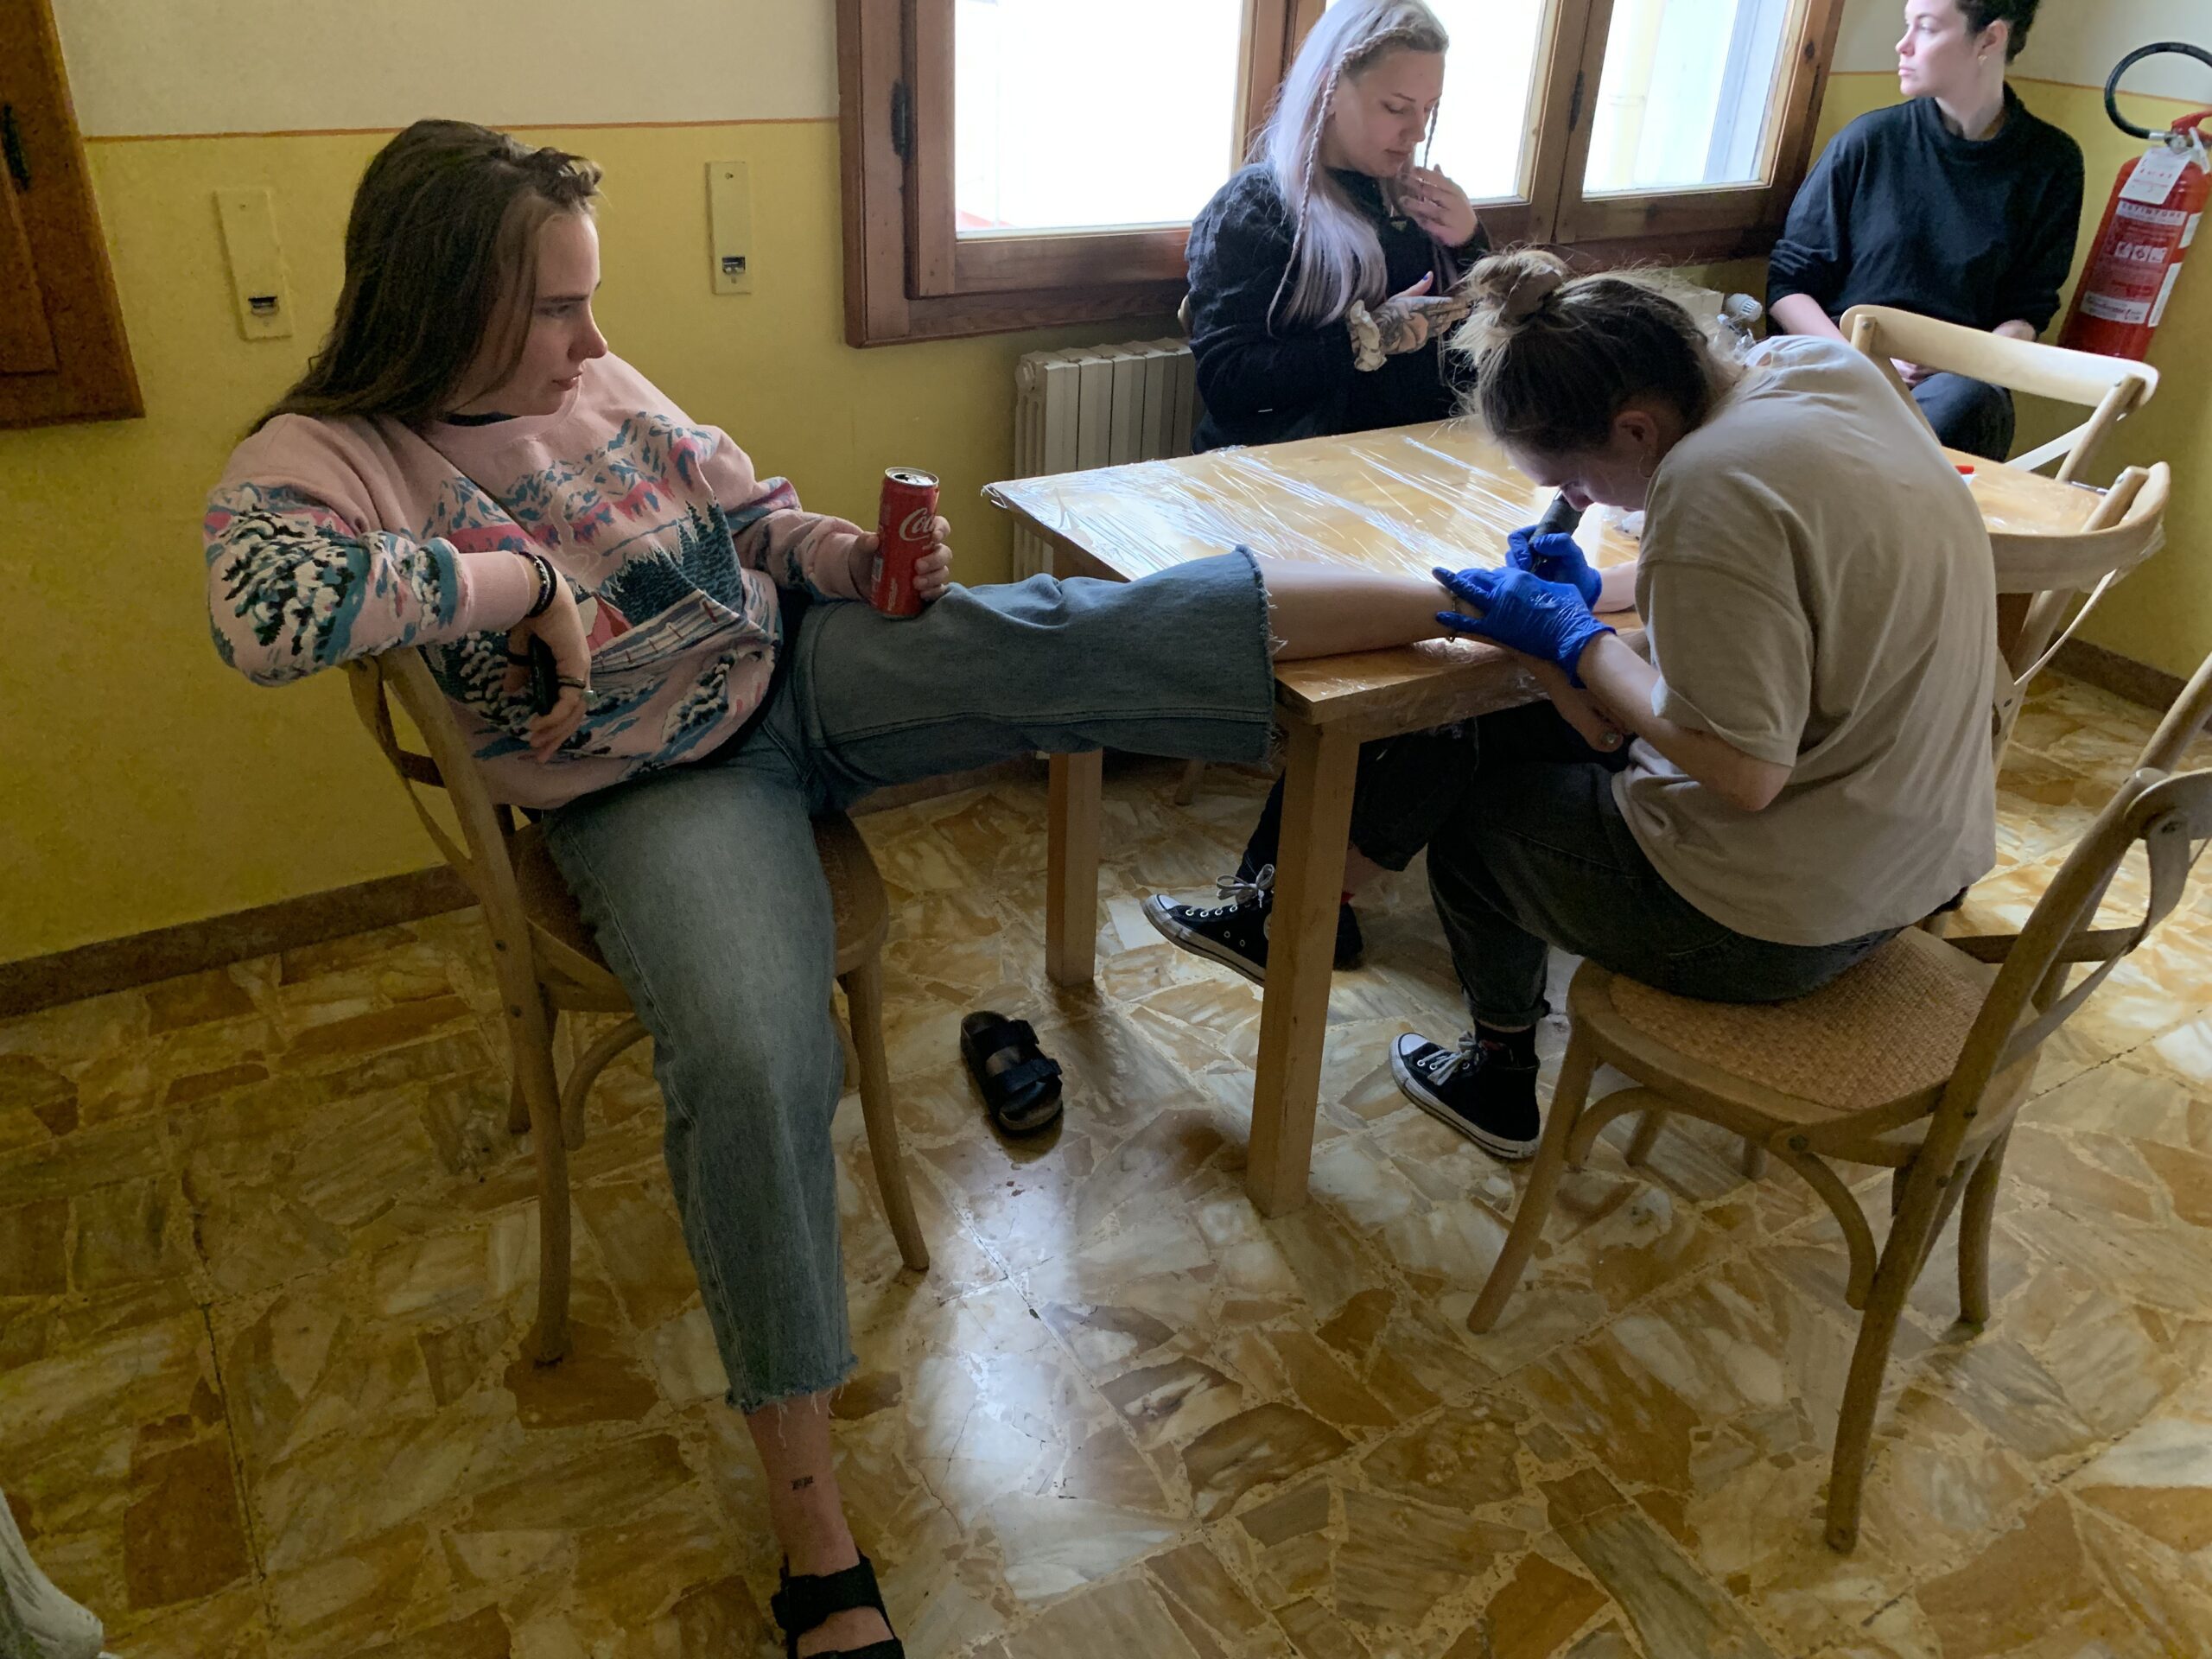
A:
1958	204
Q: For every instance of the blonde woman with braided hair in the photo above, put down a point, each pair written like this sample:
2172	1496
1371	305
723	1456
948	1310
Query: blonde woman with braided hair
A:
1321	274
1808	765
1321	280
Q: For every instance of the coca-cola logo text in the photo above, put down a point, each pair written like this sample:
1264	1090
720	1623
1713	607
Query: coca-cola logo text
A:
915	525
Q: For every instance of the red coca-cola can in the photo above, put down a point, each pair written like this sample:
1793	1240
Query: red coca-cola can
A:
904	526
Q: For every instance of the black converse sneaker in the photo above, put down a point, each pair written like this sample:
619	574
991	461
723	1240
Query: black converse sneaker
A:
1482	1089
1235	931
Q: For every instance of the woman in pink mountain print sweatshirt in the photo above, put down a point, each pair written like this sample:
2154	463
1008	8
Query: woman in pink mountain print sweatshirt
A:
463	467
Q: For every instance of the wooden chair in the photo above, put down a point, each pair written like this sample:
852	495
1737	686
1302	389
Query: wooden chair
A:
548	965
2043	576
2112	388
1917	1059
2028	615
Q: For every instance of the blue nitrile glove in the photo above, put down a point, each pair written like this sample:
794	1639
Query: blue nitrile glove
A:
1553	555
1540	619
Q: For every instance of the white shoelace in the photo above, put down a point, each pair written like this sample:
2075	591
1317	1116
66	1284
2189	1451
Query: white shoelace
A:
1465	1054
1236	890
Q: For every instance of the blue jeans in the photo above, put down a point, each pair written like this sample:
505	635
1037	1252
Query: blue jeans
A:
1969	415
1538	855
702	887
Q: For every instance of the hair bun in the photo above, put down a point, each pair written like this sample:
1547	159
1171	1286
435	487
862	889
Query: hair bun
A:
1531	286
1510	288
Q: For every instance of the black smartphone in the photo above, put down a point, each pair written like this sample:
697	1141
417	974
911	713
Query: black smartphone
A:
544	677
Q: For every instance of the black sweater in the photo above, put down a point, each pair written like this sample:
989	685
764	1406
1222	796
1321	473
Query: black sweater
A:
1901	211
1299	382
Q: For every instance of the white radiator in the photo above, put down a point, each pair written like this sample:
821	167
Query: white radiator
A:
1098	406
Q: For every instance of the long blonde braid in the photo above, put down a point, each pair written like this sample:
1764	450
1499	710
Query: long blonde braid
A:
1318	123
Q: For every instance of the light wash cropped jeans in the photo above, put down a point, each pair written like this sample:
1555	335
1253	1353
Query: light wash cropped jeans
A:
702	888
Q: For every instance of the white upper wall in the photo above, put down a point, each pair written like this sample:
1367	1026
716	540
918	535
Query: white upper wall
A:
286	65
2074	40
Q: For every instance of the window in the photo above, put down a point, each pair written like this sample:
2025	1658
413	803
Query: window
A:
1702	118
1026	154
1673	111
1485	127
1014	162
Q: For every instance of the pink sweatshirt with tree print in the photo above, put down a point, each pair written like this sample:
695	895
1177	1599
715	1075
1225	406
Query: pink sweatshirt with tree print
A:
330	539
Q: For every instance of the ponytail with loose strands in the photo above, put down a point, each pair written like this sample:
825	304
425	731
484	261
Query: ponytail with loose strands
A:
1335	256
1556	357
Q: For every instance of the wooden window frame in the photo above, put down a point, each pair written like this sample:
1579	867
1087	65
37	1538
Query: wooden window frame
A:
51	225
909	276
1720	220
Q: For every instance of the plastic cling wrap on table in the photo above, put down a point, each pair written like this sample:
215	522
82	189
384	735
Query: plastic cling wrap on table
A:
1405	499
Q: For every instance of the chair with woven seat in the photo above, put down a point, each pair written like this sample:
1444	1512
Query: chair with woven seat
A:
548	965
1917	1059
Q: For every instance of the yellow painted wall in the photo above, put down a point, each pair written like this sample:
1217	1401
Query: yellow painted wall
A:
145	784
2163	613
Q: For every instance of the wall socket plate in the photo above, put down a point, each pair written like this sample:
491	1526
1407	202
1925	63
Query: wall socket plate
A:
730	225
263	297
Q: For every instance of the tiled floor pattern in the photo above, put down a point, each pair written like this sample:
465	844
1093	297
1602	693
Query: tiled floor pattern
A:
266	1252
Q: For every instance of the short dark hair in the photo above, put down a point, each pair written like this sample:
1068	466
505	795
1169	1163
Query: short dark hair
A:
2018	14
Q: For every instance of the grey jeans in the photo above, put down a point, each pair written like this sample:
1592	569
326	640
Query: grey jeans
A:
702	885
1538	855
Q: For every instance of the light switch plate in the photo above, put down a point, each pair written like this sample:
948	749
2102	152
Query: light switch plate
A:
257	285
730	225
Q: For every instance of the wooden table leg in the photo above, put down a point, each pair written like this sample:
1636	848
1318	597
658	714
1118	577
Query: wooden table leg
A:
1301	952
1072	867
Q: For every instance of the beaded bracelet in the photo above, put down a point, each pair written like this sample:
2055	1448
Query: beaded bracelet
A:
547	579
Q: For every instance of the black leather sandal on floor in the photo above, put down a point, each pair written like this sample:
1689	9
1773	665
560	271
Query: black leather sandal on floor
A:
1020	1084
803	1602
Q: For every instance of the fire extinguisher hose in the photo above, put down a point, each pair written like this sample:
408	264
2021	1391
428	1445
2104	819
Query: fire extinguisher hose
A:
2111	82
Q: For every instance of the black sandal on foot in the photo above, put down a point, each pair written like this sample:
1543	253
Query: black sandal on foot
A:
813	1599
1020	1084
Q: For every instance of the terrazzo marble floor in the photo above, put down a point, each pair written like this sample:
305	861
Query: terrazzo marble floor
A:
267	1253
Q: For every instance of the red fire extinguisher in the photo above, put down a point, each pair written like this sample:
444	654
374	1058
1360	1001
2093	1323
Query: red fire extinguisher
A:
2153	215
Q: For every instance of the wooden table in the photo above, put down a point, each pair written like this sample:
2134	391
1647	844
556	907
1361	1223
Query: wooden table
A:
1403	500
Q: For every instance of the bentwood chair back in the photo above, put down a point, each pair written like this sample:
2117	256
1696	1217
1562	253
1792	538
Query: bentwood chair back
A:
2111	388
2052	583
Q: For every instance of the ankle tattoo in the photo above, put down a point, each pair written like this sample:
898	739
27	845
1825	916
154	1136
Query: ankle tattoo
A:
802	1483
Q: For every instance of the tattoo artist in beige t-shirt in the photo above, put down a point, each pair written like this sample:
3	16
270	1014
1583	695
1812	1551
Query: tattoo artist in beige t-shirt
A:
1809	764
